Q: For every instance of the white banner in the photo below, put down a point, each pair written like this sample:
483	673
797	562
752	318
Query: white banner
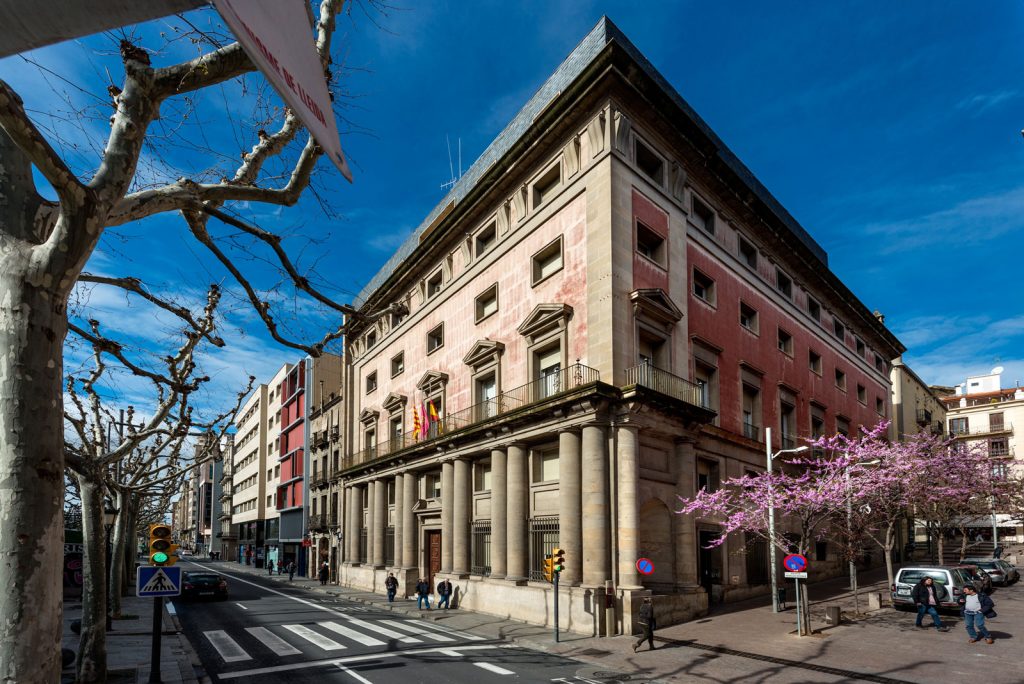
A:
277	36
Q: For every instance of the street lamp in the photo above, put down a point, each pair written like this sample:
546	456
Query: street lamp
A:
109	518
771	512
849	518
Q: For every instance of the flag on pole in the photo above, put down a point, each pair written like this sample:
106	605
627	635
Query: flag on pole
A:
425	425
416	425
433	415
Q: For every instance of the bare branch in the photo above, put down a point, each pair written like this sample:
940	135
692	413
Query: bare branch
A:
206	70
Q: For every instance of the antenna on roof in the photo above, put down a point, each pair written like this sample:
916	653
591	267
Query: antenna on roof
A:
451	168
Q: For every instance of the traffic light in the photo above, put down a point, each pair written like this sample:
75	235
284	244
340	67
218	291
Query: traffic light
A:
549	568
161	550
559	559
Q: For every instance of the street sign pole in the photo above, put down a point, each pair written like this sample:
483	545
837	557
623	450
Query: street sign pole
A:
799	616
556	606
154	656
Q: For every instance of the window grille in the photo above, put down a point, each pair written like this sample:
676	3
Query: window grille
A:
481	548
362	546
543	540
389	546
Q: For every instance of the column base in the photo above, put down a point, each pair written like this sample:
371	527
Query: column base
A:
518	581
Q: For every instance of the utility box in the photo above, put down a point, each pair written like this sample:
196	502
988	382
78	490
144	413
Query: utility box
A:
874	600
833	615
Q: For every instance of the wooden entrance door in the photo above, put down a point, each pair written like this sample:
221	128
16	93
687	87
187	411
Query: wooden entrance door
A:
433	555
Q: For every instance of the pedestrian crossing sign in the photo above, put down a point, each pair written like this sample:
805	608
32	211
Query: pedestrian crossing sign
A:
158	581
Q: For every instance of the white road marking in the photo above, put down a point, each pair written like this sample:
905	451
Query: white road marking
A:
456	633
391	634
351	634
450	652
275	643
359	658
494	668
314	638
242	607
171	609
227	647
409	626
354	675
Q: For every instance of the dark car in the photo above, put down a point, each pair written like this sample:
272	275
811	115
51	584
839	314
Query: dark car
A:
203	585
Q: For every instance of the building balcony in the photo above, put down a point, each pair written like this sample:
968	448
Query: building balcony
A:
924	417
961	432
663	382
319	480
751	431
319	522
550	386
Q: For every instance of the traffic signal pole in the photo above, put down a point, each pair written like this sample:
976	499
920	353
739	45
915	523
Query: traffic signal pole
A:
556	605
158	628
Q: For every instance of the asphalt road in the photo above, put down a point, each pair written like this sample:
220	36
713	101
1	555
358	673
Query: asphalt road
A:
264	633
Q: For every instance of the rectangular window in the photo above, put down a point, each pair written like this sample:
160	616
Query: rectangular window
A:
435	338
785	342
879	406
649	162
783	283
649	244
862	394
706	378
995	423
549	365
751	412
546	186
482	477
371	338
487	396
398	364
813	308
432	485
958	426
398	318
838	328
748	253
371	382
486	303
787	424
860	347
485	239
481	550
707	475
814	361
703	287
748	317
843	426
545	466
547	261
999	447
840	379
703	217
434	284
879	364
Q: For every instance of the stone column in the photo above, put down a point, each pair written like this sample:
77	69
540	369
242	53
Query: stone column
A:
399	518
380	521
409	531
460	518
685	526
570	515
355	521
518	488
499	514
628	441
371	524
595	508
447	506
342	514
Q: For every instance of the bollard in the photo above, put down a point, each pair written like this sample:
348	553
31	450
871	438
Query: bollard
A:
833	615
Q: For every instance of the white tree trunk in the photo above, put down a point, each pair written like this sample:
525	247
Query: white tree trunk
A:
890	539
117	558
32	329
92	648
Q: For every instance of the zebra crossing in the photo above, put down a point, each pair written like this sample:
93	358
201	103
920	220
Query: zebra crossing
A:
327	637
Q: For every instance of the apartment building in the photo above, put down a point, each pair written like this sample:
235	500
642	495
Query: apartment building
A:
248	481
602	315
916	406
325	490
982	412
226	533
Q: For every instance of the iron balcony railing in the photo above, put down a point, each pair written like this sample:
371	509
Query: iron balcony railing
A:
751	431
664	382
959	430
788	441
318	522
924	416
318	479
550	385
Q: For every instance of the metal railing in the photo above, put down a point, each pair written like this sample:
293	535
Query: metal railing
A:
664	382
962	431
572	377
924	416
318	479
751	431
318	522
543	540
788	441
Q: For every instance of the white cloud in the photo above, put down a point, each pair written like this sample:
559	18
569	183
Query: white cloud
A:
978	104
944	351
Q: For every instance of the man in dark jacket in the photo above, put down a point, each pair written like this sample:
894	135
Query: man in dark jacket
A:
422	594
975	606
647	624
927	596
391	584
444	590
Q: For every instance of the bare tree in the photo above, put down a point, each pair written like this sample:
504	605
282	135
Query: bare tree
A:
44	248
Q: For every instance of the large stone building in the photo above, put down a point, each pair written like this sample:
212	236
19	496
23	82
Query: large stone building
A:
916	406
325	461
602	316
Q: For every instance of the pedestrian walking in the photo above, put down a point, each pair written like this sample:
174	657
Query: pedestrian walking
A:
391	584
927	596
975	607
444	591
422	593
325	573
270	567
291	570
647	624
998	551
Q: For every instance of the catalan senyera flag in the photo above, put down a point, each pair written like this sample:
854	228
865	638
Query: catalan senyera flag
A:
434	417
416	424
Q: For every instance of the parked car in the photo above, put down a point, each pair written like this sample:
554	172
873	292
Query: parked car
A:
952	578
982	580
203	585
1001	572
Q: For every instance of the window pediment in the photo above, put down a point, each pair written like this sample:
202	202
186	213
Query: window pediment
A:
544	319
432	381
368	417
395	402
655	305
483	352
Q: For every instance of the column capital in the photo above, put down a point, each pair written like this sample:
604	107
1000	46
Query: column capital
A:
571	429
518	444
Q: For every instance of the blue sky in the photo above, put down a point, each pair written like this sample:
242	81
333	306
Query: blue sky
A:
891	131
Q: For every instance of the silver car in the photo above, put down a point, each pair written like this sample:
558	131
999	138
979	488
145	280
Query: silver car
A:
1001	572
952	578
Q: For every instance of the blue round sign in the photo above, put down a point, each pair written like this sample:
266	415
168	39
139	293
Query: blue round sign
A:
645	566
794	562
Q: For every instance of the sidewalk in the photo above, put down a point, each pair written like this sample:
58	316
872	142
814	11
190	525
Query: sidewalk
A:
129	644
745	641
